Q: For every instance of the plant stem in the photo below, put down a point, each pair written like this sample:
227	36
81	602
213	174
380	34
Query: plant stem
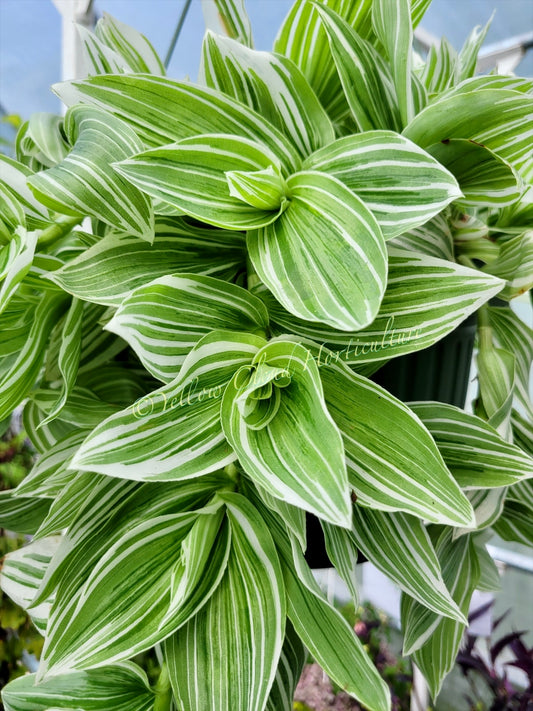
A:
484	328
61	227
163	691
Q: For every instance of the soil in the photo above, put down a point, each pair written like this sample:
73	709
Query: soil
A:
315	691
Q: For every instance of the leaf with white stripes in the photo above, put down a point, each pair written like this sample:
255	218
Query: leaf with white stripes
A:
270	84
468	56
122	687
425	299
434	238
515	264
191	175
302	39
366	77
49	474
496	377
97	57
16	383
515	336
484	177
324	258
436	657
460	572
391	20
23	514
291	663
342	552
163	320
500	119
401	184
162	110
130	601
69	356
42	438
16	258
174	432
13	180
393	462
225	658
441	68
43	139
22	574
130	44
398	544
228	17
84	182
477	456
323	630
108	271
515	523
275	417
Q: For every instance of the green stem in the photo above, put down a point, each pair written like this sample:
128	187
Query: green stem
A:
484	328
61	227
163	691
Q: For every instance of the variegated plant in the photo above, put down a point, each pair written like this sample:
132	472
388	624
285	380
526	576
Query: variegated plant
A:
197	281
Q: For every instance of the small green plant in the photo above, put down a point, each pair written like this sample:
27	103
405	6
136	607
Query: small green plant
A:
197	281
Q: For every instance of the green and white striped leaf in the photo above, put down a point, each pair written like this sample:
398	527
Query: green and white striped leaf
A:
161	111
460	572
130	44
489	578
129	602
43	139
303	39
400	547
500	119
522	428
513	335
82	408
228	17
487	505
484	177
434	238
42	438
23	514
425	299
275	418
262	189
175	432
16	258
436	657
366	78
13	181
270	84
342	553
84	182
122	687
468	55
401	184
49	474
69	356
225	658
515	523
17	382
441	69
522	492
291	663
391	20
163	320
292	516
97	57
22	573
515	264
107	272
477	456
326	634
191	175
393	462
68	502
496	377
326	230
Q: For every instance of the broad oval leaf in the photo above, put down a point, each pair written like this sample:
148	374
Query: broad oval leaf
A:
163	320
109	270
174	432
295	452
225	658
393	462
324	258
161	111
271	85
401	184
84	183
191	175
123	687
